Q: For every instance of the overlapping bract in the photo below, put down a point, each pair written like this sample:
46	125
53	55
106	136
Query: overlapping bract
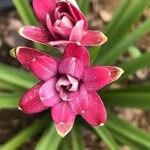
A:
67	86
62	23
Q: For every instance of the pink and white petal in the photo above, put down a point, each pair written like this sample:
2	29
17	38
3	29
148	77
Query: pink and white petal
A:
48	94
74	3
30	102
49	25
71	66
60	44
44	67
25	55
97	77
62	32
79	101
36	34
78	51
74	82
44	7
64	128
96	114
63	117
77	32
77	15
93	38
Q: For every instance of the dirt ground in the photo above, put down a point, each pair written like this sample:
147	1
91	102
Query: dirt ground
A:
12	121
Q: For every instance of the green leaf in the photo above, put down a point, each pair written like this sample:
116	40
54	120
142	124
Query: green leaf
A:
104	133
130	13
135	64
50	139
120	10
5	86
77	139
25	135
9	100
127	130
25	11
131	99
125	141
66	143
17	76
122	46
84	6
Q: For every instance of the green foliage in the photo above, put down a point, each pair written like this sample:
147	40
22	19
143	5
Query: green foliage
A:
122	34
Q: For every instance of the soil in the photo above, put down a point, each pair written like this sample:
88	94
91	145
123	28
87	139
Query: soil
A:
12	121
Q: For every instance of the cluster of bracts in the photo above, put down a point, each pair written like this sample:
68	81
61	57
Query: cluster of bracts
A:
68	85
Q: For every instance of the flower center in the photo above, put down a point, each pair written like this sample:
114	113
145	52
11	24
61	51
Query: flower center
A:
65	85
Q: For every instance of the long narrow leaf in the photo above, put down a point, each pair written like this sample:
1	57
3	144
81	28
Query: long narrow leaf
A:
9	100
132	99
128	16
127	41
24	9
16	76
50	139
77	141
104	133
125	141
129	131
84	6
135	64
8	86
25	135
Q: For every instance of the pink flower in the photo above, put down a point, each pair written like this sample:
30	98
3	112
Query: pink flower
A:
62	23
68	86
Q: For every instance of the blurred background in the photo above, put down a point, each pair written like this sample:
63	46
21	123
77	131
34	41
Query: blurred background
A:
100	14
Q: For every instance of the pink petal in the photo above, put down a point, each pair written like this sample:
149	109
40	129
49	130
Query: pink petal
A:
77	14
30	103
79	101
44	67
77	31
49	25
25	55
74	82
48	93
96	114
93	38
74	3
97	77
78	51
62	32
61	44
44	7
71	66
64	118
36	34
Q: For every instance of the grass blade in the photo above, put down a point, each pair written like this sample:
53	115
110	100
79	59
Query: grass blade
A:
17	76
25	135
25	11
104	133
9	100
129	131
127	41
76	139
50	139
84	6
131	99
135	64
128	16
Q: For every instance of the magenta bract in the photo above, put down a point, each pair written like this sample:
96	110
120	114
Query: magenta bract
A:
62	23
67	86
